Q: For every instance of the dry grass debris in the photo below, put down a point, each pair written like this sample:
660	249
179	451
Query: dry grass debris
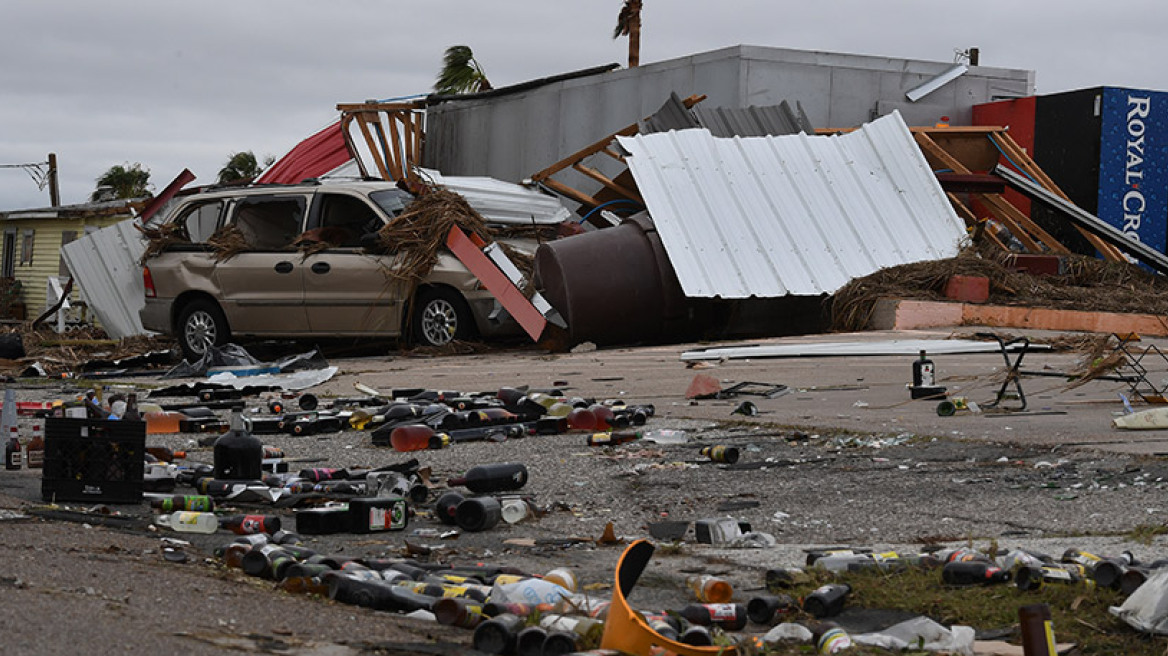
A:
1088	284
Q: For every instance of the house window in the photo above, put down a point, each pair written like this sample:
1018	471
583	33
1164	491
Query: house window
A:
26	247
66	237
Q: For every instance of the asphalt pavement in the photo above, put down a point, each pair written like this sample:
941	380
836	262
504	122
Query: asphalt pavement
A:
837	452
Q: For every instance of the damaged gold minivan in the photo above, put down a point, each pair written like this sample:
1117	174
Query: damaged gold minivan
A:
302	261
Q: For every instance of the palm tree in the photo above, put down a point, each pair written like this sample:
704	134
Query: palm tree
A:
460	73
628	23
122	182
240	166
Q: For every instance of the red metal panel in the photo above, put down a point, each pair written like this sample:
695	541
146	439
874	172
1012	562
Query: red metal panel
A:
313	157
1018	116
496	282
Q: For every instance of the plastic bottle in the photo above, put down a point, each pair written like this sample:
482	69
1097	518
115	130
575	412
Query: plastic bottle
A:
564	577
830	638
710	589
827	600
665	436
239	455
189	522
730	617
499	477
973	573
190	502
250	524
417	438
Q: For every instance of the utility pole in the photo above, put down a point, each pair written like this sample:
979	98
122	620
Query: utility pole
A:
54	190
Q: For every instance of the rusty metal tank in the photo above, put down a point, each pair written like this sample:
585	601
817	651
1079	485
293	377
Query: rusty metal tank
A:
612	286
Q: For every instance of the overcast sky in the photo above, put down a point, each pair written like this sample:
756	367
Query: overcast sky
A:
184	85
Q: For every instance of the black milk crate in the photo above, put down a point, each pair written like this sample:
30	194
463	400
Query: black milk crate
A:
90	460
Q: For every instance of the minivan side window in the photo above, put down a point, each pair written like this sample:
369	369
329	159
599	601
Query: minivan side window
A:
344	219
269	222
202	221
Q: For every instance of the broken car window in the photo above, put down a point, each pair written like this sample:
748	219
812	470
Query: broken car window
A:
202	221
344	220
269	223
392	201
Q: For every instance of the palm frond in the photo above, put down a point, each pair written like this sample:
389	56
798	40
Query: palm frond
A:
460	72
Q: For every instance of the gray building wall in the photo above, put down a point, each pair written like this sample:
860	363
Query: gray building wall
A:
510	136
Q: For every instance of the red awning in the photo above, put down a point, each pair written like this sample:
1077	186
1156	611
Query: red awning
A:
313	157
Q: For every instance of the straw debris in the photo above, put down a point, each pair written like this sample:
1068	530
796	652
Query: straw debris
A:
1087	284
418	234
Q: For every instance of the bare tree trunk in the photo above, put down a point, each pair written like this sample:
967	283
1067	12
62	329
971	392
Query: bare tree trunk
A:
635	34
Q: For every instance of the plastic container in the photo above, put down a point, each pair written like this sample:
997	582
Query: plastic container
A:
90	460
710	589
189	522
563	577
163	422
239	455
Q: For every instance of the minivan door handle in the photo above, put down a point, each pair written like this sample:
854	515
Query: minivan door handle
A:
320	267
284	267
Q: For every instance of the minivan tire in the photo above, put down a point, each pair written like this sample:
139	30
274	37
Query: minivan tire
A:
201	324
440	316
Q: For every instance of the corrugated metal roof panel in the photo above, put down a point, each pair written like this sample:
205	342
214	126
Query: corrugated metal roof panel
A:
315	156
799	214
497	200
753	121
104	265
672	116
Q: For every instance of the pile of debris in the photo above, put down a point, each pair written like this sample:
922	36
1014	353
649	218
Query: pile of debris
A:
1085	283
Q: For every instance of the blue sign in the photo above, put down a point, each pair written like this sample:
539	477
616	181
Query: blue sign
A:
1133	164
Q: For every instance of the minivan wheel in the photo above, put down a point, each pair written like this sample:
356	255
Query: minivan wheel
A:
440	317
200	326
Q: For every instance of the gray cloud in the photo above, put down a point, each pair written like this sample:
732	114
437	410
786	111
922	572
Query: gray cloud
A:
183	86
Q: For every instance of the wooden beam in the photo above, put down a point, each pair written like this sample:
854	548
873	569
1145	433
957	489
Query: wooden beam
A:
374	149
583	153
380	107
1005	219
613	154
601	145
963	211
398	154
1023	161
631	194
1016	215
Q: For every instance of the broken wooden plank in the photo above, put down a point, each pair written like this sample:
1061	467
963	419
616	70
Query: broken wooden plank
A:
604	180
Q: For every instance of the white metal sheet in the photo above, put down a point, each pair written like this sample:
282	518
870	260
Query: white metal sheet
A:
104	264
854	349
797	214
